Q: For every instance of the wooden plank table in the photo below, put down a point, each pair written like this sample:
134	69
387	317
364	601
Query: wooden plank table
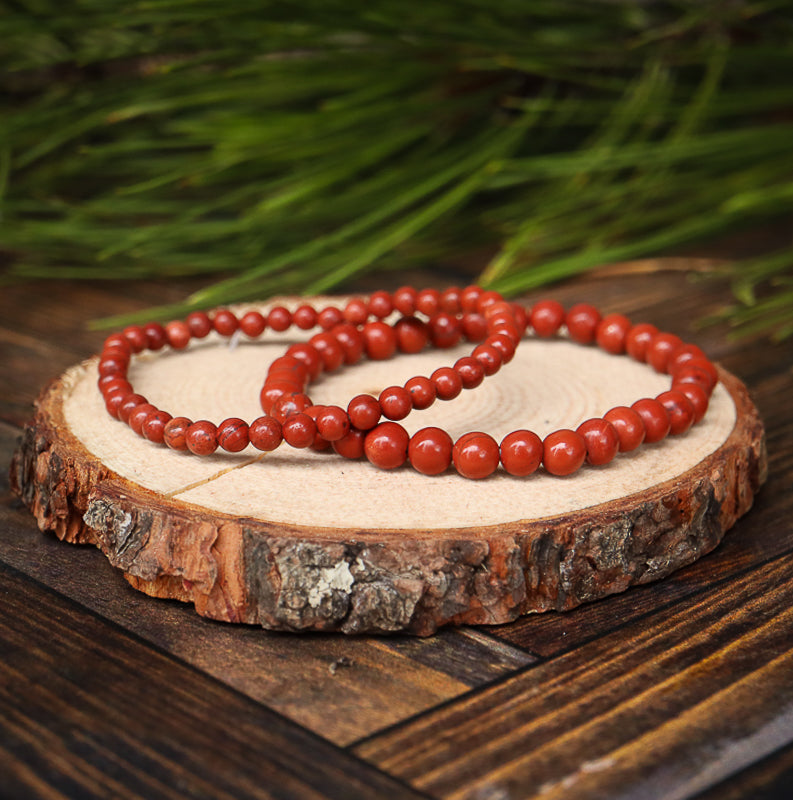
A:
681	689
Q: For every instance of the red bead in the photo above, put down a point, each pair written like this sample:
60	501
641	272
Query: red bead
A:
521	317
299	430
274	390
521	452
427	301
661	349
412	334
253	323
175	432
488	357
201	438
364	412
449	300
332	423
380	304
638	340
128	404
612	332
629	427
309	355
546	318
475	455
139	415
178	334
487	298
156	338
469	298
117	340
111	384
136	337
421	391
395	402
350	445
350	340
319	444
430	451
680	410
654	417
305	317
154	426
233	435
111	366
582	321
696	395
386	446
329	349
474	327
405	300
563	452
683	354
265	433
225	322
447	383
199	324
504	345
329	317
288	405
279	318
601	439
356	311
697	370
379	340
113	400
290	367
471	372
445	330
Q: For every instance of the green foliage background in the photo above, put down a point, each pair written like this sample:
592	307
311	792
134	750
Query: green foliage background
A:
285	146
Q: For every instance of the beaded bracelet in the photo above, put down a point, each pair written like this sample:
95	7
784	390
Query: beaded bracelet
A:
291	417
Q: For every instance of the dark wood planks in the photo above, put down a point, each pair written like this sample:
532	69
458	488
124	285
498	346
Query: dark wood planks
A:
768	779
88	711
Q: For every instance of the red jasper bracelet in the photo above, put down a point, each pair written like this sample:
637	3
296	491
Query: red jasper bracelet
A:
347	334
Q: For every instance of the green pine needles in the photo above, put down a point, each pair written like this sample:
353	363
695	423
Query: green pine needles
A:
289	147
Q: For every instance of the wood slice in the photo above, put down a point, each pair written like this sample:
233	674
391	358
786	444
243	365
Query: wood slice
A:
299	541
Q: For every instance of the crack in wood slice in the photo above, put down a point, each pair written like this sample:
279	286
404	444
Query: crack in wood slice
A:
304	541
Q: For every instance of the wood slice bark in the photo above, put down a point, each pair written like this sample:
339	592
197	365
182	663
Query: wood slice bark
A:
303	541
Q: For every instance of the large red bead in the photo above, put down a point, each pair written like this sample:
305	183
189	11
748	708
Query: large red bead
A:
546	318
612	331
654	417
395	402
474	327
309	355
156	337
351	444
475	455
178	334
380	341
332	423
427	301
488	357
582	321
601	439
430	451
380	304
629	427
412	335
563	452
445	330
364	412
421	391
329	349
329	317
252	324
175	432
450	300
471	372
201	438
697	395
638	340
356	311
199	324
233	435
139	415
447	382
154	426
265	433
405	300
680	410
225	322
386	445
299	430
350	340
279	319
521	452
661	349
305	317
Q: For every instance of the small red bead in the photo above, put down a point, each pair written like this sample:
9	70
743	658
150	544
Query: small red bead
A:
288	405
178	334
112	366
487	298
128	405
136	337
661	349
350	445
405	300
305	317
279	318
309	355
430	451
475	455
488	357
445	330
449	300
629	427
654	417
395	402
201	438
680	410
638	340
252	324
474	327
412	334
299	430
546	318
350	341
601	439
427	301
364	411
521	452
273	390
421	391
563	452
233	435
156	338
114	399
380	304
356	311
329	349
332	423
612	331
386	445
329	317
154	426
290	367
582	321
380	340
469	298
504	344
265	433
139	416
471	372
111	384
683	354
225	322
199	324
696	395
117	340
697	370
447	383
175	432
